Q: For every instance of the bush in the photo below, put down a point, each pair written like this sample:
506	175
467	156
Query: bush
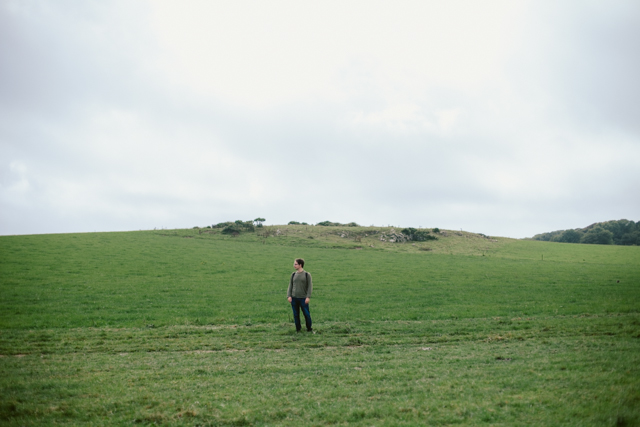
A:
235	227
232	229
293	223
222	224
245	225
337	224
418	235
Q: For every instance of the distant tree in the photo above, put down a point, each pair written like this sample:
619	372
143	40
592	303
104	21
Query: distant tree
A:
259	221
556	236
598	235
436	230
630	238
570	236
293	223
619	228
548	237
618	232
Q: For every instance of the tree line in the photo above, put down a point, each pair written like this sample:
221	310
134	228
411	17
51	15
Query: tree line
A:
616	232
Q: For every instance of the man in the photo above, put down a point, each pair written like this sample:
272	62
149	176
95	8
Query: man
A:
298	294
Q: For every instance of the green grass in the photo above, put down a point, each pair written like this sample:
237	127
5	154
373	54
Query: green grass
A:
190	327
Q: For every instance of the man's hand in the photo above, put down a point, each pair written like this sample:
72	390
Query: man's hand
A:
289	299
306	301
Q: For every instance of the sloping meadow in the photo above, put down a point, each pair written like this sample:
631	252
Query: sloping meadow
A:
192	327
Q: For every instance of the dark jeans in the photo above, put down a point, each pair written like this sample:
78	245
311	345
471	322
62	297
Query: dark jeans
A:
296	305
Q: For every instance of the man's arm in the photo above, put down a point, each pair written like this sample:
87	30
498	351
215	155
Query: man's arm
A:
290	288
309	289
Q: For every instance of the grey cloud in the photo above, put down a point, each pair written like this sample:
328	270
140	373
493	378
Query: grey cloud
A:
584	57
106	142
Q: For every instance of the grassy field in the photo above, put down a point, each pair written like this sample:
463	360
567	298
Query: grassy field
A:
191	327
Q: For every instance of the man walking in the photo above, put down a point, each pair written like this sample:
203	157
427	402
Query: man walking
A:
298	294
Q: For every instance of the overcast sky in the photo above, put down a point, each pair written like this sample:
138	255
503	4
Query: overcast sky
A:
508	118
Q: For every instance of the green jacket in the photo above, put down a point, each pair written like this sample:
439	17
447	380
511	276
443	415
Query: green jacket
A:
300	285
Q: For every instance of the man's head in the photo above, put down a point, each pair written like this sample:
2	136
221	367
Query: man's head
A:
299	261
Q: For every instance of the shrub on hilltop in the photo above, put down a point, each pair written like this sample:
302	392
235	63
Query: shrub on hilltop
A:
236	227
337	224
418	235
